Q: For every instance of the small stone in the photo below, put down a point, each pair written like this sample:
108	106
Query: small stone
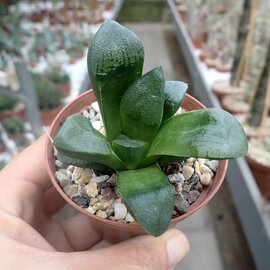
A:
102	131
62	178
100	197
119	200
202	160
190	164
212	164
112	218
85	176
96	125
93	201
199	186
91	210
103	205
103	185
186	187
205	179
91	189
197	167
187	172
70	190
176	177
173	168
77	173
178	188
101	214
191	159
81	190
181	204
112	180
108	193
109	211
82	201
204	169
95	106
58	163
55	151
129	218
120	211
194	179
71	168
193	195
100	179
184	194
86	114
116	191
92	114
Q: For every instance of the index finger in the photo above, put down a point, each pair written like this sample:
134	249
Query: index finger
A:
29	166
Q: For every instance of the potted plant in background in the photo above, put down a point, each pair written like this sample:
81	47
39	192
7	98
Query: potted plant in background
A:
142	136
232	86
256	60
14	127
10	107
49	98
16	131
58	76
258	121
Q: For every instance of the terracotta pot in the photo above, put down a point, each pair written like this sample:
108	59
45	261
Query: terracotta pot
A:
65	89
198	43
47	117
210	62
261	174
18	111
232	109
112	229
222	91
223	68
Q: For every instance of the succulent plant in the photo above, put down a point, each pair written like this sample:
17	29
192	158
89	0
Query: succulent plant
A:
48	95
14	125
7	103
57	75
142	128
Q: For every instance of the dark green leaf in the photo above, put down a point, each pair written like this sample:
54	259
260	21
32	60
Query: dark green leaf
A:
115	61
78	139
131	152
174	95
149	197
83	163
210	133
142	106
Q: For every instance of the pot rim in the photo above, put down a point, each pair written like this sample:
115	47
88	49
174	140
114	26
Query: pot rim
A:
210	190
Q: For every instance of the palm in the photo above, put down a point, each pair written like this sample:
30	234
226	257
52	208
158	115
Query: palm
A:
35	201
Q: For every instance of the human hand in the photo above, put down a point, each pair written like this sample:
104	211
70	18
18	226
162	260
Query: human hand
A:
31	239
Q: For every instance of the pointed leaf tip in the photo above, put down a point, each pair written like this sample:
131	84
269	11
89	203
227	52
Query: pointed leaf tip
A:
209	133
149	197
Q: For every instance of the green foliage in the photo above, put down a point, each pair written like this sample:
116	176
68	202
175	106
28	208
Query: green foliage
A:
138	113
58	76
7	103
14	126
48	95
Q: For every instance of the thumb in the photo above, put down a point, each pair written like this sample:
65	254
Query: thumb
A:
143	252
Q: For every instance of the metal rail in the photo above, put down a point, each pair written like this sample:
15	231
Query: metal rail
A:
26	95
247	198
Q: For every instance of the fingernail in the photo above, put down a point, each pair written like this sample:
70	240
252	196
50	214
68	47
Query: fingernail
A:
177	248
